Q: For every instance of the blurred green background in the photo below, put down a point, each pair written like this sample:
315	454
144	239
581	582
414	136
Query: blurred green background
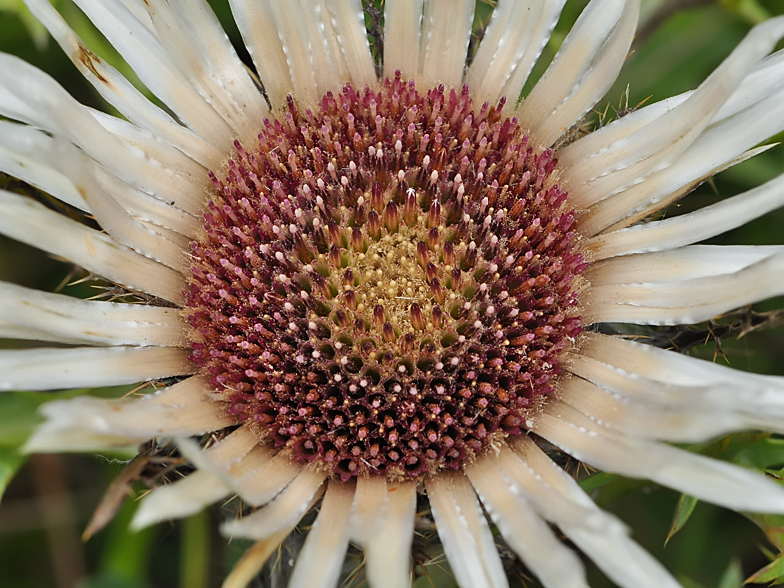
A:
50	499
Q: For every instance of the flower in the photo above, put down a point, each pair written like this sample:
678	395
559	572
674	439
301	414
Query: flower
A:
384	283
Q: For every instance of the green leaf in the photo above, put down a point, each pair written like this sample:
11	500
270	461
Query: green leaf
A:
749	10
10	462
758	454
596	481
689	583
732	576
195	551
683	511
773	572
771	524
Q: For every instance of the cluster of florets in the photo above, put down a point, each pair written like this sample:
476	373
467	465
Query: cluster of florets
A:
385	283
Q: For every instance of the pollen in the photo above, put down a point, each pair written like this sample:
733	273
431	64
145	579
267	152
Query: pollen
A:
385	283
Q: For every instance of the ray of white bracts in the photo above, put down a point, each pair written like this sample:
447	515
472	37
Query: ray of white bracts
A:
302	48
383	525
722	145
119	92
198	490
28	95
559	499
34	157
446	33
645	373
520	494
89	367
30	314
403	24
692	227
189	99
87	423
27	221
634	157
513	41
464	532
683	300
764	79
708	479
586	65
679	391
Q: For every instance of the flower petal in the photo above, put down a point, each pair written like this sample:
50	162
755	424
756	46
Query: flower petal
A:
660	143
708	479
464	532
764	79
721	146
85	423
388	549
89	367
283	512
199	489
119	223
648	373
259	30
193	65
348	19
650	418
446	32
183	498
28	154
685	301
321	559
692	261
29	222
582	71
402	32
696	226
599	535
370	508
29	95
156	69
119	92
258	477
221	60
525	532
70	320
513	41
298	46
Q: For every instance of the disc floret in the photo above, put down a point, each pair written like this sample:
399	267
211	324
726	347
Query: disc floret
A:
385	282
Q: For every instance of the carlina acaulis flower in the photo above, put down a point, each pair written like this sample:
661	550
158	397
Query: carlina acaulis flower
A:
373	289
385	283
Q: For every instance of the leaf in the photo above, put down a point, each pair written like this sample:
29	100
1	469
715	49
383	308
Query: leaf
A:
689	583
683	511
771	524
773	572
596	481
749	10
759	454
732	576
10	462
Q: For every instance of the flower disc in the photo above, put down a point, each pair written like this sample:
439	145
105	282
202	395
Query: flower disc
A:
385	283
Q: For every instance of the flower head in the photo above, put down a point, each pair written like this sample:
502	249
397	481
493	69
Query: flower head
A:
369	286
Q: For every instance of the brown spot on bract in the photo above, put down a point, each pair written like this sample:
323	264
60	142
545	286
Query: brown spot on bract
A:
89	59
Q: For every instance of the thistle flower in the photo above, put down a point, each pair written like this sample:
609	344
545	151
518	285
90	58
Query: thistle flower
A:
368	286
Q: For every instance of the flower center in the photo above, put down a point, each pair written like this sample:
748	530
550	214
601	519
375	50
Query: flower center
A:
385	283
